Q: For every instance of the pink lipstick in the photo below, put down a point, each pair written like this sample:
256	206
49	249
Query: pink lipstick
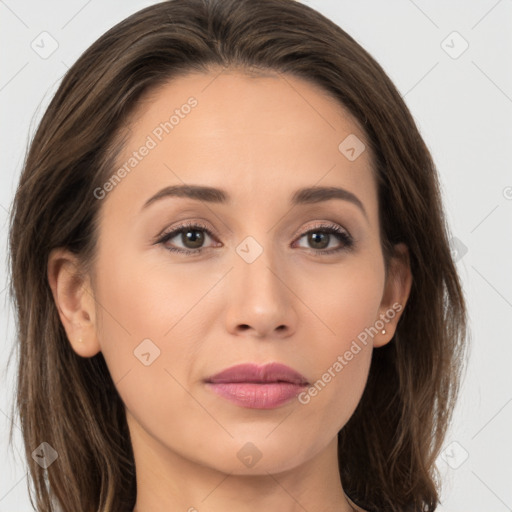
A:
258	387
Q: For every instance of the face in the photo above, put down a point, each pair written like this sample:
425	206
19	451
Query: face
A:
256	277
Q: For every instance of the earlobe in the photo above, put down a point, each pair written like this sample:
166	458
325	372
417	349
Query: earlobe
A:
74	300
396	293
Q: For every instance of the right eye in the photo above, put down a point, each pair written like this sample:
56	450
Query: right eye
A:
192	235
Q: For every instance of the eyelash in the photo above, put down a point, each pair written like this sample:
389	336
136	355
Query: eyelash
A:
332	229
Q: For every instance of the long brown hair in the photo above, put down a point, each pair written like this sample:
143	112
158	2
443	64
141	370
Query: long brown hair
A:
387	450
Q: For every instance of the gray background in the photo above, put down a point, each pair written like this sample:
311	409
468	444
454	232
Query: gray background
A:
462	103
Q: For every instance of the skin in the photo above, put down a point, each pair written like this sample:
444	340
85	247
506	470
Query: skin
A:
259	138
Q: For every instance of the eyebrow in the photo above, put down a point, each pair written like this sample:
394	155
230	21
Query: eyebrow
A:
308	195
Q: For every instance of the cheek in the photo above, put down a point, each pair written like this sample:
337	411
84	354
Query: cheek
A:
149	334
152	318
345	297
143	300
347	300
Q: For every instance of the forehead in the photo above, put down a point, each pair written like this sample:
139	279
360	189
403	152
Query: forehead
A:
258	136
247	103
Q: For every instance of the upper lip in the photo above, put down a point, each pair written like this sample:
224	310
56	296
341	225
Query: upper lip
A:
250	372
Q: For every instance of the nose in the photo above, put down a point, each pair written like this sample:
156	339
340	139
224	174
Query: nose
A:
261	303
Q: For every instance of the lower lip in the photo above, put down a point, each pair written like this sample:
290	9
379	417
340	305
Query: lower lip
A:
257	396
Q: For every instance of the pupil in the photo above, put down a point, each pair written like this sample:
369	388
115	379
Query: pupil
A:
314	238
195	237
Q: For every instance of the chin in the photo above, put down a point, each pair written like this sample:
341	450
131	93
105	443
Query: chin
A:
258	456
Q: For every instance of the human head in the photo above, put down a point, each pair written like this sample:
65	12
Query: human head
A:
411	383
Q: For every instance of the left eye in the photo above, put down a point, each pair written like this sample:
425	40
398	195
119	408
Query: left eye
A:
320	238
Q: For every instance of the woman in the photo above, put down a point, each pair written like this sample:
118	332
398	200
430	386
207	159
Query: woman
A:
232	274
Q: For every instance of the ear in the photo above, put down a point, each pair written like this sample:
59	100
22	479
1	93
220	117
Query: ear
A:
74	299
396	293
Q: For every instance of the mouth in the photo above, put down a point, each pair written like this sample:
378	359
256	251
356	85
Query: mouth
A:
258	387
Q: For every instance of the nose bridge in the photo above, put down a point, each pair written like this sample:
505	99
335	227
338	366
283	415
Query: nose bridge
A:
259	298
